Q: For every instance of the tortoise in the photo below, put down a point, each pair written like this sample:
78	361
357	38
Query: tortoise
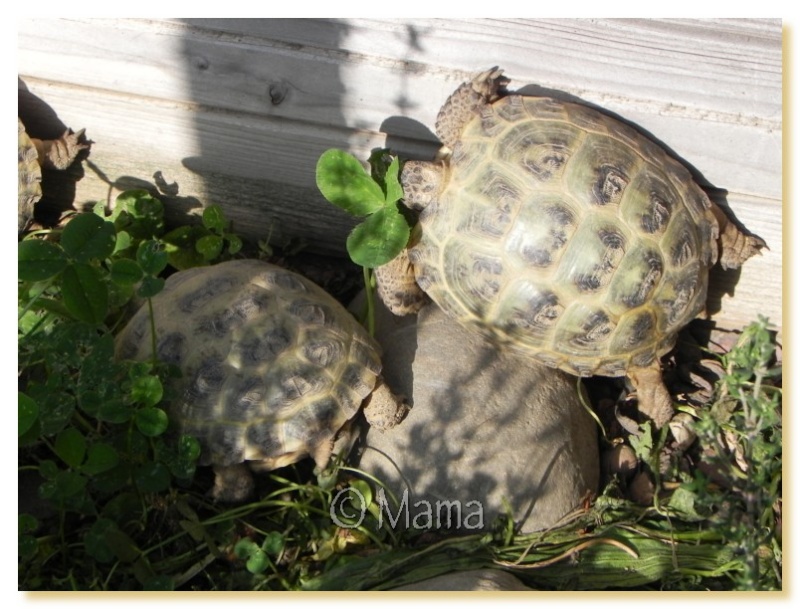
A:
561	232
33	154
273	368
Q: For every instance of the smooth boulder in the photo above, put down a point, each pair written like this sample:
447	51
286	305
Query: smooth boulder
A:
486	426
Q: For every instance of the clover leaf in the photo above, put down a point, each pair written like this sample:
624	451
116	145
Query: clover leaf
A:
343	181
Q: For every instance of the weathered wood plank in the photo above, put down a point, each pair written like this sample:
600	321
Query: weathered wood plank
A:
707	96
262	176
238	111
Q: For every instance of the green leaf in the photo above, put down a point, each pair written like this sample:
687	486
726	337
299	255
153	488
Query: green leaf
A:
28	412
273	543
70	445
124	241
258	562
121	544
213	218
209	246
65	485
55	411
48	469
379	161
343	181
88	237
129	199
26	524
38	260
85	295
96	364
180	246
139	369
125	272
147	390
109	410
180	457
152	477
151	257
364	491
182	237
188	448
643	443
234	244
101	458
379	238
684	500
150	286
96	542
145	214
27	546
99	209
244	547
125	507
91	401
113	480
119	295
394	190
151	421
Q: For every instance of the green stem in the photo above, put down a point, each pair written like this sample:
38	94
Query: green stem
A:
370	290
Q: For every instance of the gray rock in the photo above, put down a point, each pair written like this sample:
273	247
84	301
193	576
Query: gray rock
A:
487	580
486	426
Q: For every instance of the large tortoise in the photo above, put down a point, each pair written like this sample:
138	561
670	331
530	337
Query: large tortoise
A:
274	368
561	232
32	155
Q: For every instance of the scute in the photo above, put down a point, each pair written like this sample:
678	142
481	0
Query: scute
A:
272	365
566	234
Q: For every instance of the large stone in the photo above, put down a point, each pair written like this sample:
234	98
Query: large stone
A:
486	426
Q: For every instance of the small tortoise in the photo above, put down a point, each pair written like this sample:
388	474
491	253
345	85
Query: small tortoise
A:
33	154
561	232
273	367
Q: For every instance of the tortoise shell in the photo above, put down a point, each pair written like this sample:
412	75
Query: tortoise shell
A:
273	366
566	234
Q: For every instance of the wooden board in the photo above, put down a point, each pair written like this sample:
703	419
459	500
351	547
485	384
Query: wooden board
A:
237	111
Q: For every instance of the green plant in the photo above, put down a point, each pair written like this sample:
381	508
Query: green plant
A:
114	508
139	216
91	431
384	233
343	181
742	433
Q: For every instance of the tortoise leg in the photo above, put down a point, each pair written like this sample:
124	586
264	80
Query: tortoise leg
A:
655	402
465	102
60	153
422	181
735	247
233	483
398	288
384	409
